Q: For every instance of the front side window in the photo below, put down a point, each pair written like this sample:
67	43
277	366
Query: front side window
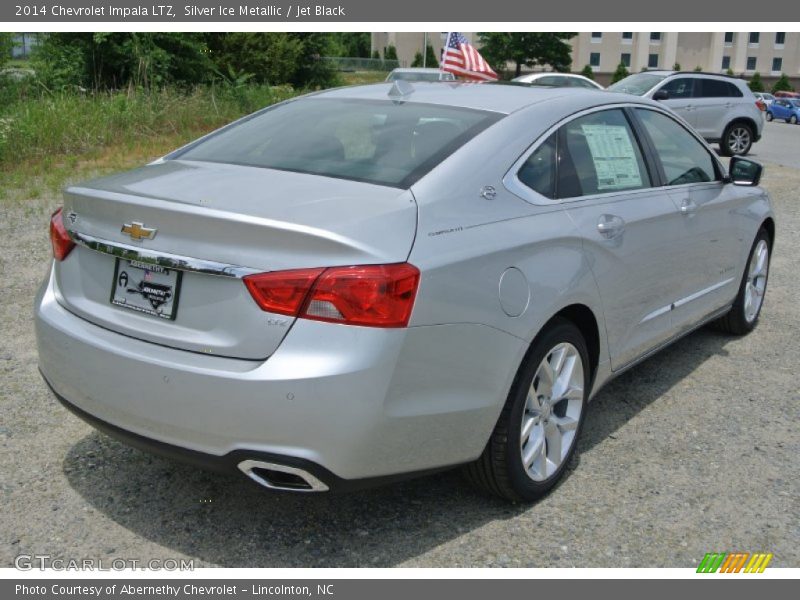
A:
683	158
374	141
599	154
680	87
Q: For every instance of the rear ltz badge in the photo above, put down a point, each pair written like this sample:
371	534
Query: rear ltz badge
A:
138	231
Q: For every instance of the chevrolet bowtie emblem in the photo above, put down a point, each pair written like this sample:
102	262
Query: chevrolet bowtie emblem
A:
138	231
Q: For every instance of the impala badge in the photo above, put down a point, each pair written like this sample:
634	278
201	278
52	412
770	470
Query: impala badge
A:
138	231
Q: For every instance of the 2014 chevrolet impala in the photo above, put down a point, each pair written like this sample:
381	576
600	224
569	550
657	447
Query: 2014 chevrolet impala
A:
378	281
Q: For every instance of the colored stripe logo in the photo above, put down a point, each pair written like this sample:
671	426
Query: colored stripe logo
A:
734	562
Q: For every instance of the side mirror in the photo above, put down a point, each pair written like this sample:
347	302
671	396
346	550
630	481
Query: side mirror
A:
744	172
661	95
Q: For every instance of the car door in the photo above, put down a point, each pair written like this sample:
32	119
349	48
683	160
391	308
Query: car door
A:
780	109
681	97
704	246
713	100
626	224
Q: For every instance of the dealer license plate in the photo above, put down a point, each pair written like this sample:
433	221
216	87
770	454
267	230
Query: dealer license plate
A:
145	288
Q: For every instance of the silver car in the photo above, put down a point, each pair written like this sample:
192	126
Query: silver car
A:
373	282
720	107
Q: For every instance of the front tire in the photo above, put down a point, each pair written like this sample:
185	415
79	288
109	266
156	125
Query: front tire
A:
537	432
743	316
769	116
737	139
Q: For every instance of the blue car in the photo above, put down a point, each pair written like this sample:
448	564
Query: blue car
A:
787	109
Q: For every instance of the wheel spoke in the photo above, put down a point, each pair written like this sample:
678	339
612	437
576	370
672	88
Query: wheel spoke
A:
527	428
553	436
533	450
565	423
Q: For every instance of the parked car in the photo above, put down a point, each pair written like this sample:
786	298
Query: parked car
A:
787	94
559	80
768	99
787	109
419	74
364	284
721	108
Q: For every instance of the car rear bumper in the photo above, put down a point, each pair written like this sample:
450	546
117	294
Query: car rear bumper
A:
344	403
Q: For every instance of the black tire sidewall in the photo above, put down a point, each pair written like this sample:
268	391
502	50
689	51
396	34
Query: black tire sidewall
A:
769	116
562	331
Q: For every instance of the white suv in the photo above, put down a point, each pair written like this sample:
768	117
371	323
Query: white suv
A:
721	108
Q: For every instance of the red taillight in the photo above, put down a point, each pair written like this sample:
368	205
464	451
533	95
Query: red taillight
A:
369	295
282	292
59	238
762	106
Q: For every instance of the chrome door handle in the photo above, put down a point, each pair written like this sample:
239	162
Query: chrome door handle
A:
610	226
688	206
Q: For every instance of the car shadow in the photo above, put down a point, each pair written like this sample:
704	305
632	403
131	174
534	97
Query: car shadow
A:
230	521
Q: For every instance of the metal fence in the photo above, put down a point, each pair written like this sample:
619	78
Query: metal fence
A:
342	63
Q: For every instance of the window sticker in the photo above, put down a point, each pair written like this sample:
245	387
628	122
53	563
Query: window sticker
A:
614	157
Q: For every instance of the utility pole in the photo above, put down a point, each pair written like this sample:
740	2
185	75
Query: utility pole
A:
425	51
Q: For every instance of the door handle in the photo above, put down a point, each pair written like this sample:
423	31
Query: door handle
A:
610	226
688	207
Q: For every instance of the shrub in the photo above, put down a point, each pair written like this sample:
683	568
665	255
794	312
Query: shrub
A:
588	72
390	53
620	74
756	85
782	85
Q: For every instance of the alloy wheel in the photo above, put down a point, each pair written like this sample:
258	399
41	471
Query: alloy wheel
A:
552	412
739	140
756	283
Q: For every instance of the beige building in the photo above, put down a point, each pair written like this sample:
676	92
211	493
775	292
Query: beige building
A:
768	53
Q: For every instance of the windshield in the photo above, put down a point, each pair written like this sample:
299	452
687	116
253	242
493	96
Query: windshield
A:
638	84
376	141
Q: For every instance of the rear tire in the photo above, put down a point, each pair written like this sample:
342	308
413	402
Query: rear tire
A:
793	119
743	316
737	139
769	116
536	434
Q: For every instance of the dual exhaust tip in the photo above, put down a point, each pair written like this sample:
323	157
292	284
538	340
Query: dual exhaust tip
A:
281	477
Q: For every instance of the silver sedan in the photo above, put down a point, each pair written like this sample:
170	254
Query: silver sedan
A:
374	282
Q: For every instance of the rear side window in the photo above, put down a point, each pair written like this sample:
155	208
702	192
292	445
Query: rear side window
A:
375	141
598	154
716	88
683	158
679	88
539	171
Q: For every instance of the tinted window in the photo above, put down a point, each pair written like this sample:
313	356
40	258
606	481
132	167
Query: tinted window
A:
377	141
680	87
575	82
684	159
716	88
551	80
598	153
539	171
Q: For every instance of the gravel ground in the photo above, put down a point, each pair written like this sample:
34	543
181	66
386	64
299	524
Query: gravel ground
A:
695	450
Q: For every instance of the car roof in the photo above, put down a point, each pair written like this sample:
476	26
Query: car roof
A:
415	69
482	96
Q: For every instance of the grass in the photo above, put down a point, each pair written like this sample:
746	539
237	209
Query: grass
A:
50	140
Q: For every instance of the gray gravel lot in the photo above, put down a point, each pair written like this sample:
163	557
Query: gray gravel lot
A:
695	450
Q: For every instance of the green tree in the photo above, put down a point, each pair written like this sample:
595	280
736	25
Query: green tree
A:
312	71
6	45
620	74
417	62
756	85
588	72
698	68
355	44
782	85
112	60
271	57
730	72
376	55
390	53
430	61
528	49
676	66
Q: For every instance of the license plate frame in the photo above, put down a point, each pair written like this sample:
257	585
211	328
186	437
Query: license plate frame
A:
154	283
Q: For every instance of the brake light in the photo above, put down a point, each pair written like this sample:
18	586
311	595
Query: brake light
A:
762	106
368	295
59	238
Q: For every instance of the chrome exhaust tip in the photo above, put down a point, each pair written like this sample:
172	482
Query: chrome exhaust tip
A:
281	477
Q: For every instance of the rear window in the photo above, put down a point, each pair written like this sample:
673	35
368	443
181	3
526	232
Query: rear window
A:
375	141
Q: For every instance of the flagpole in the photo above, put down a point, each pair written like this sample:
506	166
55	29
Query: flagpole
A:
425	51
444	51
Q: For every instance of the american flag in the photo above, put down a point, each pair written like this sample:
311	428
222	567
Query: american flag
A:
462	59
